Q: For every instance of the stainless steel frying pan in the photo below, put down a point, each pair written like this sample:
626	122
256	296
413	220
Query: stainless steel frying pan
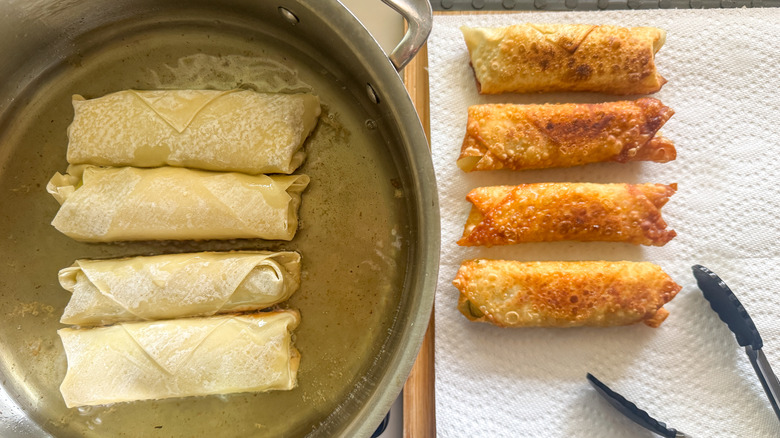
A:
369	231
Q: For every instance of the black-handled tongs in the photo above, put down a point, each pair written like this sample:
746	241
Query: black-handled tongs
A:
727	306
632	412
730	310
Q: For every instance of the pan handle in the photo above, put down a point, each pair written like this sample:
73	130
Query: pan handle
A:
419	18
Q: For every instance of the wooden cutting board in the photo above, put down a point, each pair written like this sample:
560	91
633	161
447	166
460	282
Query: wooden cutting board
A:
419	399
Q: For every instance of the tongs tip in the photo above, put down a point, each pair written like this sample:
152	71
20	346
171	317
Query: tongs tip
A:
630	410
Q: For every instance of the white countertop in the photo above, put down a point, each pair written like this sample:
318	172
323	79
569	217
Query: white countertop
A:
384	23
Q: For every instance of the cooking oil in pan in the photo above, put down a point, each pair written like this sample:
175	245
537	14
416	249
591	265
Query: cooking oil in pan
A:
353	238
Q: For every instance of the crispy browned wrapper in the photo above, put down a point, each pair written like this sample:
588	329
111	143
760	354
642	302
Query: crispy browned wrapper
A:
528	58
503	215
520	137
563	294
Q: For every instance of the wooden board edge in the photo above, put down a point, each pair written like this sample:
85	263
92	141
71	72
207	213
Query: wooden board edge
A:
419	399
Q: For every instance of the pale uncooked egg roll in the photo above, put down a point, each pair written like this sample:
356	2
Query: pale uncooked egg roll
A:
179	358
169	203
235	130
177	285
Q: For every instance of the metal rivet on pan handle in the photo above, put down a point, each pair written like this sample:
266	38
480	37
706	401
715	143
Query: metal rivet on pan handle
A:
288	16
419	18
372	93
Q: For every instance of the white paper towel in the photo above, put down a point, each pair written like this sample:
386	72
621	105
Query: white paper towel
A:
723	68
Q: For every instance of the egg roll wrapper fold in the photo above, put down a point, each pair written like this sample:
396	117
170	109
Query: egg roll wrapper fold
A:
168	203
545	212
235	130
528	58
521	137
563	294
180	358
177	285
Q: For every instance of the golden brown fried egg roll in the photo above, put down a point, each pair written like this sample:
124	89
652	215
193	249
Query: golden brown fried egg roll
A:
563	294
545	212
169	203
234	130
180	357
529	58
519	137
